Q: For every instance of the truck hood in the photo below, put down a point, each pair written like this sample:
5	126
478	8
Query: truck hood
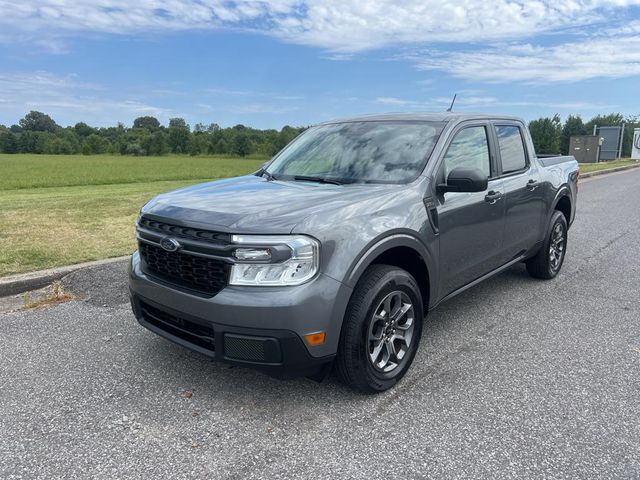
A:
252	204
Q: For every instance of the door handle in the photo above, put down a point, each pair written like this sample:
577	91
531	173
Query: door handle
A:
492	197
532	184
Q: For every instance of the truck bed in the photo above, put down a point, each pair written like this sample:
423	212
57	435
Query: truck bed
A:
555	160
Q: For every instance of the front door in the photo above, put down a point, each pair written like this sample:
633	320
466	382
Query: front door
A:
471	225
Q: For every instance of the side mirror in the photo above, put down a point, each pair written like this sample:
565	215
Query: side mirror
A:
464	179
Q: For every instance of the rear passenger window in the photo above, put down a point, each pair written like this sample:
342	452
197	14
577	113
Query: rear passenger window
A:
469	148
511	148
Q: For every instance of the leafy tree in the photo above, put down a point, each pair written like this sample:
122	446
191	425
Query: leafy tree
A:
60	146
178	139
33	142
158	144
148	122
83	130
221	146
242	145
15	128
8	142
38	122
572	126
178	123
135	149
545	133
95	144
609	120
70	141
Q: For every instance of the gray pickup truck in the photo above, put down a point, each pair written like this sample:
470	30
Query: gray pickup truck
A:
332	254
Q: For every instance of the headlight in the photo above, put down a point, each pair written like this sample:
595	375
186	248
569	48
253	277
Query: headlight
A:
274	259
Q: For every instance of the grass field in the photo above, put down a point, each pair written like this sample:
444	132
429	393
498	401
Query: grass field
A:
592	167
60	210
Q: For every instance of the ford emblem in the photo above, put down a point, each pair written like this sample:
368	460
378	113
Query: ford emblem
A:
170	244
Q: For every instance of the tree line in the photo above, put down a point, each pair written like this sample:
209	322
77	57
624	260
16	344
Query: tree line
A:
37	132
550	135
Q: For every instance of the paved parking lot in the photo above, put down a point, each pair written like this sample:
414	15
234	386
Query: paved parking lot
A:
514	378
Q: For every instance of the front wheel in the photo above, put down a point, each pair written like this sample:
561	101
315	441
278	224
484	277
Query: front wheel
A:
548	261
381	329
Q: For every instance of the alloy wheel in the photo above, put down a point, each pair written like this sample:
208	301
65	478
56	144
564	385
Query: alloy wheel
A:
391	331
557	246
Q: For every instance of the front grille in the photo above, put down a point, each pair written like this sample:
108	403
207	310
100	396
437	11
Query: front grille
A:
183	232
189	331
204	275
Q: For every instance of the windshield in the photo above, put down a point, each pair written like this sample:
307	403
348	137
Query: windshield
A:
355	152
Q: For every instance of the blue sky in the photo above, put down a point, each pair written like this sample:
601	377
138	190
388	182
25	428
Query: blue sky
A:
267	64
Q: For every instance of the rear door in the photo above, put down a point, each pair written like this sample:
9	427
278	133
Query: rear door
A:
523	192
470	224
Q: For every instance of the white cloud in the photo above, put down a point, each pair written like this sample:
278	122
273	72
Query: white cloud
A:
394	101
338	25
608	45
613	57
472	99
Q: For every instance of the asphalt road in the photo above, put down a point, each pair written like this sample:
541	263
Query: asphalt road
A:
514	378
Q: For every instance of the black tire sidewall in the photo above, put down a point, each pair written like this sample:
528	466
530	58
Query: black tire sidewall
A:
394	279
557	217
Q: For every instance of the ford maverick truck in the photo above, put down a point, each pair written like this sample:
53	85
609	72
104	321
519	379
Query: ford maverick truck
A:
333	253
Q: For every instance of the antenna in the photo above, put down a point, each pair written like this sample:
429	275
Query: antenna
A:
452	102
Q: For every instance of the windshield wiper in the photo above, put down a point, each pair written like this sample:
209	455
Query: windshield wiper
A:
263	173
317	179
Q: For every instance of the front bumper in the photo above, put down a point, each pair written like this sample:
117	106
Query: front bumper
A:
261	327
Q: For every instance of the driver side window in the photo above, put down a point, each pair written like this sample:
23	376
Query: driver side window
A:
469	148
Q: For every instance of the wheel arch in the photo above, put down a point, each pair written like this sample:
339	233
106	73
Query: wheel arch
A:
403	250
562	202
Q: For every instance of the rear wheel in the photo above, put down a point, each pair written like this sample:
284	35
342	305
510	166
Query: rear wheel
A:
381	329
548	261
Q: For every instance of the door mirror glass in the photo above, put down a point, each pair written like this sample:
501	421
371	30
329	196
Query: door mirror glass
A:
465	179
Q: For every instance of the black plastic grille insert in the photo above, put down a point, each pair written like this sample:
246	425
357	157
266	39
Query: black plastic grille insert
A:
204	275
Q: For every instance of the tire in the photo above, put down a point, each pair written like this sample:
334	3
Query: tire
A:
548	261
381	288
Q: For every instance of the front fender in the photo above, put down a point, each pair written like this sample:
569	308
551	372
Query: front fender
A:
383	243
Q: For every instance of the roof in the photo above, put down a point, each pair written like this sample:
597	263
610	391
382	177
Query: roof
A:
423	116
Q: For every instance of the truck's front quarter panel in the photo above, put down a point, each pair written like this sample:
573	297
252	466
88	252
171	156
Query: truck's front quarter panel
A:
352	237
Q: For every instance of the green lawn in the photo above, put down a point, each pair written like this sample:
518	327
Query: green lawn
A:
592	167
29	171
60	210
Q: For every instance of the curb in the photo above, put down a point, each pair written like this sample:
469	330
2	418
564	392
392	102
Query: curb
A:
25	282
608	170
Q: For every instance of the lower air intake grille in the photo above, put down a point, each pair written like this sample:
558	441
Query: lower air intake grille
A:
192	332
244	348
